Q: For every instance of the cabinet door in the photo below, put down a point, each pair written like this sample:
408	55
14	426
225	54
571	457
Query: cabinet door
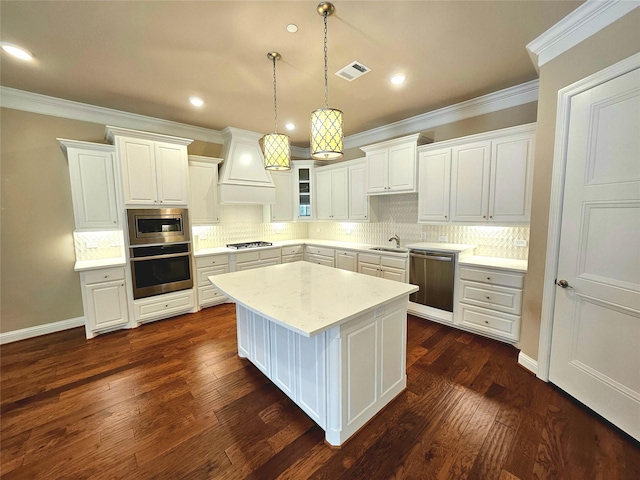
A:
511	179
261	349
203	206
393	274
244	319
402	168
171	173
347	260
302	192
369	269
107	304
339	194
283	359
138	170
282	210
470	182
311	376
434	170
358	199
323	195
378	171
93	188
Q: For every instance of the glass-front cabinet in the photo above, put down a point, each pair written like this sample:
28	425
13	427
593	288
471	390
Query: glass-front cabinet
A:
304	189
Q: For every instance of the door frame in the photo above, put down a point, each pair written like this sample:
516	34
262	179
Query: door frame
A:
557	196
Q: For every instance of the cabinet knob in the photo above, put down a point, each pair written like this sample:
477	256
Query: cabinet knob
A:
122	284
490	216
106	276
488	278
445	216
487	322
166	306
484	216
488	298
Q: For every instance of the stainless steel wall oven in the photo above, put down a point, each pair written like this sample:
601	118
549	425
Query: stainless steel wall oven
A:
160	269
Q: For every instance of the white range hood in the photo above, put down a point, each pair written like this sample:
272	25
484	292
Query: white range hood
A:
243	178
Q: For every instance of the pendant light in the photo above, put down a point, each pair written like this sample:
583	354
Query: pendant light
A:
275	147
326	123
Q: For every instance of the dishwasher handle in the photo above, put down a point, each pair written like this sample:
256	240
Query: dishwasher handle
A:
431	255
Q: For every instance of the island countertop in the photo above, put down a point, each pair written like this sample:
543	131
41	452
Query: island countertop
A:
309	298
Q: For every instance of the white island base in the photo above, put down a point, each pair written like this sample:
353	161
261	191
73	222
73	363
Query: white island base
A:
341	369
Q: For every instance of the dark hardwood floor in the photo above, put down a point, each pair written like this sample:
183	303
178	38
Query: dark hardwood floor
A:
171	400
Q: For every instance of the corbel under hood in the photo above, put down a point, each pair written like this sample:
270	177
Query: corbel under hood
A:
243	178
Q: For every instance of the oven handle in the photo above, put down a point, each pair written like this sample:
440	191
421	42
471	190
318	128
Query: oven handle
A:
158	257
430	256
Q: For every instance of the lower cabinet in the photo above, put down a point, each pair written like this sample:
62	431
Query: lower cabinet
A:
391	268
164	306
490	302
104	299
347	260
320	255
207	266
254	259
293	253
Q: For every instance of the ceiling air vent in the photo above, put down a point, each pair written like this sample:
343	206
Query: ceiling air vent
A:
352	71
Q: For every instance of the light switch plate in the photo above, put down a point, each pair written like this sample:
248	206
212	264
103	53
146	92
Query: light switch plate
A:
423	235
520	243
443	238
91	245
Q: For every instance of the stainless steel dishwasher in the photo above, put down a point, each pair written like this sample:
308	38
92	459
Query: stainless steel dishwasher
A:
434	273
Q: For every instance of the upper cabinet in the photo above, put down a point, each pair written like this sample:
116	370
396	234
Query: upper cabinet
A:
203	196
392	165
282	210
303	189
93	184
340	191
484	178
154	167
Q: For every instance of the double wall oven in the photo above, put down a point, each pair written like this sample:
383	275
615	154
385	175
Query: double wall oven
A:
160	251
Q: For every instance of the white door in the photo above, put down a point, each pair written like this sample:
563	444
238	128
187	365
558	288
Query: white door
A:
358	200
323	195
402	167
595	350
282	210
171	173
378	171
434	170
470	182
340	194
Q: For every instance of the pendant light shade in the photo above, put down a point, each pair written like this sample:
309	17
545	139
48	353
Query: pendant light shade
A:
326	123
276	147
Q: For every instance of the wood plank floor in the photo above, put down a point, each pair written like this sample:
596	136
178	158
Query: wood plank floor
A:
172	400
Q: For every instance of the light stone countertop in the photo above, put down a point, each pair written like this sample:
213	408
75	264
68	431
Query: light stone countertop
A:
494	262
102	263
308	298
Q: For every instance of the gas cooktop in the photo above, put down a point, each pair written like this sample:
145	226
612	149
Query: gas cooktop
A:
238	246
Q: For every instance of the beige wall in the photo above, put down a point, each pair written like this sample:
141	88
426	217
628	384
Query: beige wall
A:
614	43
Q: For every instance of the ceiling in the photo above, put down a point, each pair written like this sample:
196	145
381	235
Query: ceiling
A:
148	57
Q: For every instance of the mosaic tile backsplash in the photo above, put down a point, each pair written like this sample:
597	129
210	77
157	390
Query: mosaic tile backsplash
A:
98	245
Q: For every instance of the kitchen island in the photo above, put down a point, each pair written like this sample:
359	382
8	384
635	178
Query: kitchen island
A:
334	341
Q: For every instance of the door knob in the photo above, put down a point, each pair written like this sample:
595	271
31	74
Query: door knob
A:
563	284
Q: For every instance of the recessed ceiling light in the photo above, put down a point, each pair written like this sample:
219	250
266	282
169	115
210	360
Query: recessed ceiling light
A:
398	79
292	28
196	101
290	126
16	51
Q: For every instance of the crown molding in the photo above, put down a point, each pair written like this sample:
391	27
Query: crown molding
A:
492	102
586	20
58	107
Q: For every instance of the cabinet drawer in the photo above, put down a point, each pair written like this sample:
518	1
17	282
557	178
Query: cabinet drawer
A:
271	253
292	258
491	276
211	260
327	252
488	321
292	250
164	306
505	299
393	262
210	295
203	274
369	258
248	256
103	275
321	260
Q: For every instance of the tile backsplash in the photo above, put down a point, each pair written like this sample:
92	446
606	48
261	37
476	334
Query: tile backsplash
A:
98	245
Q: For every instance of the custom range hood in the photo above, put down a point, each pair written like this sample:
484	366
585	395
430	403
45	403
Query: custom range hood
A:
243	178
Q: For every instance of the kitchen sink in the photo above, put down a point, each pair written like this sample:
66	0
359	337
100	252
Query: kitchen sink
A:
390	249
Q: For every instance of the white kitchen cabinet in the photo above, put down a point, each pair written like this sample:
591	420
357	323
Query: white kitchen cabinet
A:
391	268
303	190
491	178
320	255
332	202
282	210
293	253
434	185
254	259
154	167
93	185
490	302
347	260
358	198
392	165
204	208
207	266
164	306
104	299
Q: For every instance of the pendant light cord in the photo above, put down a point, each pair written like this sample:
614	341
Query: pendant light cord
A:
326	78
275	102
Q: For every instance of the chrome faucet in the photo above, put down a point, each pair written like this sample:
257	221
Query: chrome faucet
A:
397	239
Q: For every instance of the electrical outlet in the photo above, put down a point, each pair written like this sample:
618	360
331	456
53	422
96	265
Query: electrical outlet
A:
114	244
520	243
423	235
91	245
443	238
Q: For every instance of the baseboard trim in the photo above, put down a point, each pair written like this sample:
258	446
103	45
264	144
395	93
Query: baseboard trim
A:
528	363
30	332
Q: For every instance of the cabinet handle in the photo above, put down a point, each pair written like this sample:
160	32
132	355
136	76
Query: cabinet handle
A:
484	216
